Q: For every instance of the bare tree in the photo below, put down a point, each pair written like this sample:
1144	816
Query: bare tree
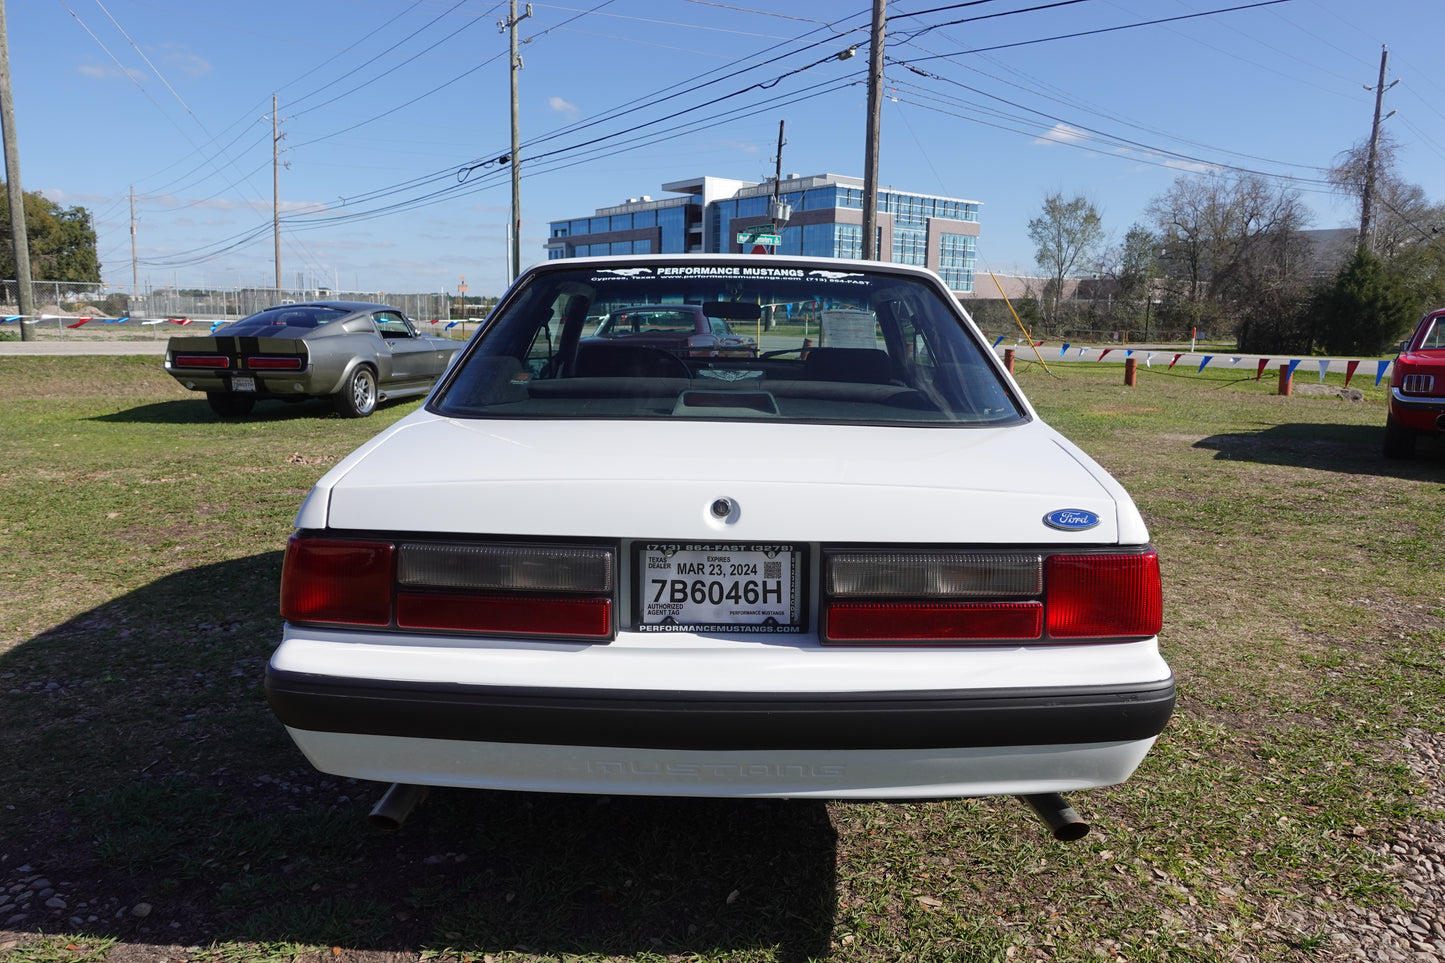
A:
1066	235
1232	249
1403	216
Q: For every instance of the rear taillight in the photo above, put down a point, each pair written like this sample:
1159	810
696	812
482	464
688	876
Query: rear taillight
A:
1418	384
976	598
1103	596
337	580
201	361
546	591
272	363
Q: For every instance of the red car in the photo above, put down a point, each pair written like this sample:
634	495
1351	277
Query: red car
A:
1417	388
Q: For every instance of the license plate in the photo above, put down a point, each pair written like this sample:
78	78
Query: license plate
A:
241	383
720	588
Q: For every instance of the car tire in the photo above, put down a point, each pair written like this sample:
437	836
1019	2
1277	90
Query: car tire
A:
357	397
1399	440
230	405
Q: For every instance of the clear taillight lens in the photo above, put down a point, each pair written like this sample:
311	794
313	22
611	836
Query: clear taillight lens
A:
506	567
933	574
548	591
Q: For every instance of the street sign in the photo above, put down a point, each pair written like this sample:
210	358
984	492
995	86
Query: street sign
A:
772	239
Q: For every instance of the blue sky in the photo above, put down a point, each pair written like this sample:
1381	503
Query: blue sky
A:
384	103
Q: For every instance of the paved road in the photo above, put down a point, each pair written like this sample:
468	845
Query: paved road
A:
79	346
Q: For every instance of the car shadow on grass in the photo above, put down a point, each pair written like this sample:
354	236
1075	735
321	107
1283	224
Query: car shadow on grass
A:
1354	449
196	411
154	794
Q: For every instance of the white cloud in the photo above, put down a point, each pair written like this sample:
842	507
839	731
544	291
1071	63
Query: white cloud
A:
1193	167
563	106
103	72
192	65
1061	134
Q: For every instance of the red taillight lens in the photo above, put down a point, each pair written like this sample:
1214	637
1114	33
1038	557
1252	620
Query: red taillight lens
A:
506	615
265	363
1103	596
336	580
939	622
201	361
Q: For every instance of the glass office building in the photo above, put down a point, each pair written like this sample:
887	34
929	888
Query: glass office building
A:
708	214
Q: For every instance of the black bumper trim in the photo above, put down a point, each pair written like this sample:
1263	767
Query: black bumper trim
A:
722	721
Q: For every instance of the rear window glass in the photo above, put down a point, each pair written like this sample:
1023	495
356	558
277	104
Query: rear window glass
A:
791	343
268	322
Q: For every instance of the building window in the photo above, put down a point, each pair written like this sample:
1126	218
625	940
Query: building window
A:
673	221
956	257
910	245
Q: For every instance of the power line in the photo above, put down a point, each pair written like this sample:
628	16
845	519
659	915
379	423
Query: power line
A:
1102	30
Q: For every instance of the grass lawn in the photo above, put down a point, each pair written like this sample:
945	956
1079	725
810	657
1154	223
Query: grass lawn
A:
144	779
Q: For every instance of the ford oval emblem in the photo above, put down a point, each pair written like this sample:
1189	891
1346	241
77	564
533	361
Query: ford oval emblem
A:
1071	520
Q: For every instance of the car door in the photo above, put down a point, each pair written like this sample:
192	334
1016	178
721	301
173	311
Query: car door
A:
413	358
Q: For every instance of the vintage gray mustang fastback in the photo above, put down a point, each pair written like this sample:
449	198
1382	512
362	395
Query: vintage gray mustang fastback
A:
355	353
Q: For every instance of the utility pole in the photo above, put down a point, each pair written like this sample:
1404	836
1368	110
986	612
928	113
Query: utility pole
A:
16	194
1367	196
276	191
875	120
778	212
134	271
516	66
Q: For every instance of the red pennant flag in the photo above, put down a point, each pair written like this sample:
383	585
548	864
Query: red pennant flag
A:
1350	371
1263	363
1105	354
78	323
1176	359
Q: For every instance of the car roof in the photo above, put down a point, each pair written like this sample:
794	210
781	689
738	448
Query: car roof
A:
352	306
767	261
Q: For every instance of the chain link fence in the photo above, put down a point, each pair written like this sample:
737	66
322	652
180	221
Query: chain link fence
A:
57	305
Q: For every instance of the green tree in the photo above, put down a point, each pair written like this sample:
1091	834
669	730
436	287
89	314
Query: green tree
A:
1364	309
1135	273
1065	234
62	242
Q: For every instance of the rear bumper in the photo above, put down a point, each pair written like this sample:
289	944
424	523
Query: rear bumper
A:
1421	414
720	721
268	385
857	774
